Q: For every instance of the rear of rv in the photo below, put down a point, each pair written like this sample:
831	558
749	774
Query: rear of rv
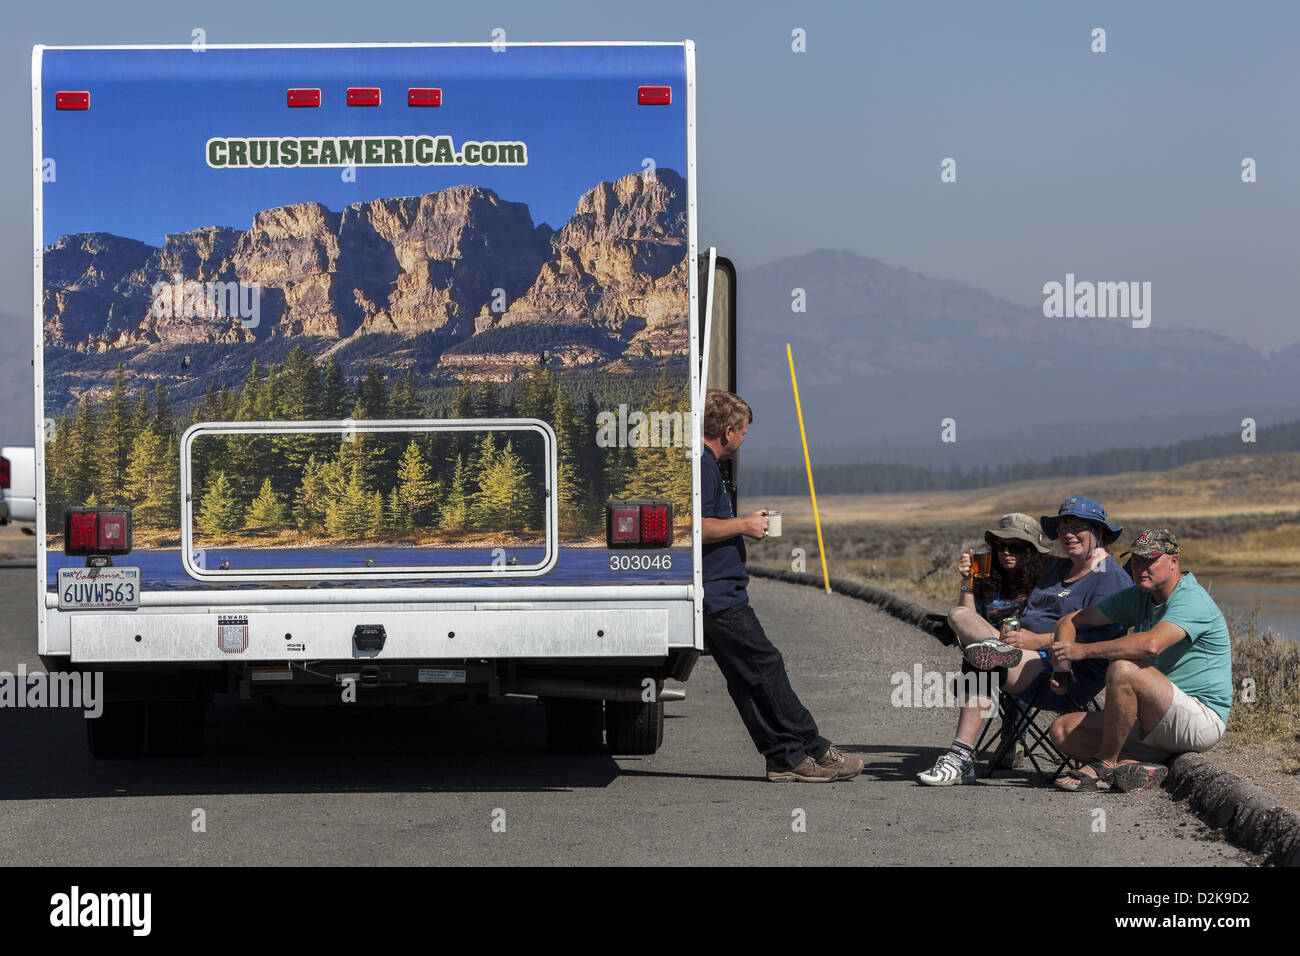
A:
368	374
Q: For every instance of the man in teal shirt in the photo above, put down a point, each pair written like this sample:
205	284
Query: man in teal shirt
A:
1169	683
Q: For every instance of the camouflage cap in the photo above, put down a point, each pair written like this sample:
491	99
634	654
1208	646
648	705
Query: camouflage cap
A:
1153	543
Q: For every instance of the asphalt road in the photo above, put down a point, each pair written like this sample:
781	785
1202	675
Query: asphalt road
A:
380	787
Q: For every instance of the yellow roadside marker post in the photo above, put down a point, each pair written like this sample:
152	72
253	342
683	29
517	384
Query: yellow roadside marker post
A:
821	550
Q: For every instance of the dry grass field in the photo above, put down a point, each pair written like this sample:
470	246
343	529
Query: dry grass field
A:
1239	514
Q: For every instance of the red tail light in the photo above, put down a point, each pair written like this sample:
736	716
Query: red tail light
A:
639	524
97	531
654	524
4	472
83	532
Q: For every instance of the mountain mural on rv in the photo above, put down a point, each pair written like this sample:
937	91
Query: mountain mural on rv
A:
451	304
488	293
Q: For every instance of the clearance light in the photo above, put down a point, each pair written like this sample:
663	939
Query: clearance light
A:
639	524
72	100
424	96
363	96
97	531
654	95
304	97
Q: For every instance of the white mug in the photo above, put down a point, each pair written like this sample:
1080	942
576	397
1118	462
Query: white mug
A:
774	524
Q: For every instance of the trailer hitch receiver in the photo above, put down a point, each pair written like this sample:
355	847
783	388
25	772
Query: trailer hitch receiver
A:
369	637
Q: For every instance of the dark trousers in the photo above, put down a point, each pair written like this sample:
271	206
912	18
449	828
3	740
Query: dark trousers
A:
780	726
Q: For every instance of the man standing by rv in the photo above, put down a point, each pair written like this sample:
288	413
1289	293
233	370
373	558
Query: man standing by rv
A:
780	726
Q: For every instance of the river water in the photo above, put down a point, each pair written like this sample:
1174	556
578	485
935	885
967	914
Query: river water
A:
1278	600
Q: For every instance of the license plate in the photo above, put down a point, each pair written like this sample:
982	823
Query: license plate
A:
99	588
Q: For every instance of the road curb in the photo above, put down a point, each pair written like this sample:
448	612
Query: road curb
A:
1248	816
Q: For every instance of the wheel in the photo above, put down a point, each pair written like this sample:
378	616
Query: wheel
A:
176	727
634	727
574	726
117	732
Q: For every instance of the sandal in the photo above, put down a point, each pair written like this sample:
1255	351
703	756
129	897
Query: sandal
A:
1132	775
1084	781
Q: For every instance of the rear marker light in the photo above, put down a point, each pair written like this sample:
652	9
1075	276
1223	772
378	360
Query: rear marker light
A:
83	532
639	524
363	96
95	531
304	98
4	472
654	95
654	524
424	96
72	100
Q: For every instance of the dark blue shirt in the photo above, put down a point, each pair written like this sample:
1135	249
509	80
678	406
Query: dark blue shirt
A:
725	578
1052	599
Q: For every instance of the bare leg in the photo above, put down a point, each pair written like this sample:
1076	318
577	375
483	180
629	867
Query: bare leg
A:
969	627
1135	693
1078	736
977	708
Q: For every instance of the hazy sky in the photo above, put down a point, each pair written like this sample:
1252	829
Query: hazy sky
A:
1122	165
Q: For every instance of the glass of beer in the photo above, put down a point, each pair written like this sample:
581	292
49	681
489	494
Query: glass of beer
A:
981	564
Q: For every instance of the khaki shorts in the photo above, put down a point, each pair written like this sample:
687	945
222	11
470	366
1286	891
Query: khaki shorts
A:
1188	726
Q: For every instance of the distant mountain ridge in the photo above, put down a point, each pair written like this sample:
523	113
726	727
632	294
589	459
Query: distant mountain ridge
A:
885	355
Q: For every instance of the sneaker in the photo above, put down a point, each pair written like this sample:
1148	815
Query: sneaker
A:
845	767
807	771
991	654
949	769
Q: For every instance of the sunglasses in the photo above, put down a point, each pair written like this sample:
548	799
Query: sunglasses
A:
1075	526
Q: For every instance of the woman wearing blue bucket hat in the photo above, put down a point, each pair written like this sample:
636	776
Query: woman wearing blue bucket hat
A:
1086	575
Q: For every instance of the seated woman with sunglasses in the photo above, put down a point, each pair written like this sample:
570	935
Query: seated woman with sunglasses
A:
1082	578
1022	554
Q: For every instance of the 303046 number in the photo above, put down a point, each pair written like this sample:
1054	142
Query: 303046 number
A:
641	562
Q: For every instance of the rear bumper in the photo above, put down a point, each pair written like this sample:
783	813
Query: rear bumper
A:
220	635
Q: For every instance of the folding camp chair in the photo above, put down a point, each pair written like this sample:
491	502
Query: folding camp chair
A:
1020	714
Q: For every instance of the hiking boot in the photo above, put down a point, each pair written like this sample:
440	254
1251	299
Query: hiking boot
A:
990	655
845	767
806	771
1139	776
948	770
